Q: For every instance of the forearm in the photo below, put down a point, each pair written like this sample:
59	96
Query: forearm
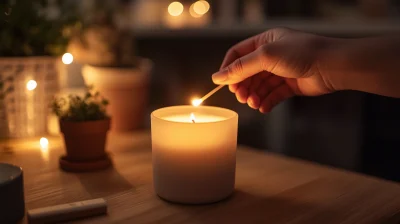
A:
368	64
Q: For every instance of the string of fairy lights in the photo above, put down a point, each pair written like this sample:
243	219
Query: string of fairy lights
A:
31	85
67	59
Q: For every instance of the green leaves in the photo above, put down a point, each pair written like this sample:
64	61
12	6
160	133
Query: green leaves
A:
75	108
28	30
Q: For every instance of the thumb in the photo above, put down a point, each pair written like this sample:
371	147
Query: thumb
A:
241	68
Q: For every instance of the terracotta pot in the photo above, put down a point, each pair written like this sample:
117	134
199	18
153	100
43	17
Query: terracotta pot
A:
126	89
85	141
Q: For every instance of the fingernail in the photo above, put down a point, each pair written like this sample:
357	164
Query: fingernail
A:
220	76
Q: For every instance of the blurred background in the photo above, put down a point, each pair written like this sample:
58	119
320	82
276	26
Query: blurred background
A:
177	45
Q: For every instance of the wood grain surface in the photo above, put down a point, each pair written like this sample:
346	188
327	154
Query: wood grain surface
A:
269	188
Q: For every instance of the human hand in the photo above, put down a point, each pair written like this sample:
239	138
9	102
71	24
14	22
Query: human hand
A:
271	67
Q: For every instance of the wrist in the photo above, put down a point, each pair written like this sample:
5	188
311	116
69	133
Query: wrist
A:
332	62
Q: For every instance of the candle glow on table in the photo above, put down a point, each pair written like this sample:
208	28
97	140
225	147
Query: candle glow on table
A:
44	143
44	148
194	153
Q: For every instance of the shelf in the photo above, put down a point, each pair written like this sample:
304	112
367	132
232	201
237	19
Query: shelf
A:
240	30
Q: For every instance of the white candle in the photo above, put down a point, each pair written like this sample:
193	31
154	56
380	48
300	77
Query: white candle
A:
194	162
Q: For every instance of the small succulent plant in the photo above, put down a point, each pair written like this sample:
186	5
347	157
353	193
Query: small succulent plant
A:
75	108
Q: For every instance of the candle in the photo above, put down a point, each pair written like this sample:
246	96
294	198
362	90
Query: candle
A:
194	153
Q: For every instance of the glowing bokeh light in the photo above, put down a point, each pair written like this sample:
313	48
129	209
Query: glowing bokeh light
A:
67	58
201	7
206	4
31	85
44	143
193	13
175	9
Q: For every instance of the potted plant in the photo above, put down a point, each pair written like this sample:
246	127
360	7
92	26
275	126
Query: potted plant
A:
33	35
84	124
110	64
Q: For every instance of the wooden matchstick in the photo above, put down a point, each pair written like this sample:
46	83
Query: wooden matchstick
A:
211	92
67	212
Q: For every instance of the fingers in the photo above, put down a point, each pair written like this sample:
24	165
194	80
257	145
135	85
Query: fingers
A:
267	84
256	81
253	101
239	50
249	57
242	94
233	87
240	69
243	91
253	90
277	95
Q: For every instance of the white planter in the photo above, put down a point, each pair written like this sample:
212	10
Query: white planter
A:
25	111
126	89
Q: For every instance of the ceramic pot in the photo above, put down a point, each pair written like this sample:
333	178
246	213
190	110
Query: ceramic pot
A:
126	89
85	141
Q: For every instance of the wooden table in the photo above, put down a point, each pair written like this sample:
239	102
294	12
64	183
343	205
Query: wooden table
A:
269	188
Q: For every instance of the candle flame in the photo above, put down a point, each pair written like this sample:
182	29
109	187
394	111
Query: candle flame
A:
197	102
192	118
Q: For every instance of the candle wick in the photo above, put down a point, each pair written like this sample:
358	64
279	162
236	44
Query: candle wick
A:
193	121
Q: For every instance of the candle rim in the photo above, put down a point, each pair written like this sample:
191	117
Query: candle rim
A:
234	114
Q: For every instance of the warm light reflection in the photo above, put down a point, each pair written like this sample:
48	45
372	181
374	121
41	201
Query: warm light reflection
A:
193	13
31	85
192	118
44	143
206	4
67	58
201	7
44	148
197	102
175	8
